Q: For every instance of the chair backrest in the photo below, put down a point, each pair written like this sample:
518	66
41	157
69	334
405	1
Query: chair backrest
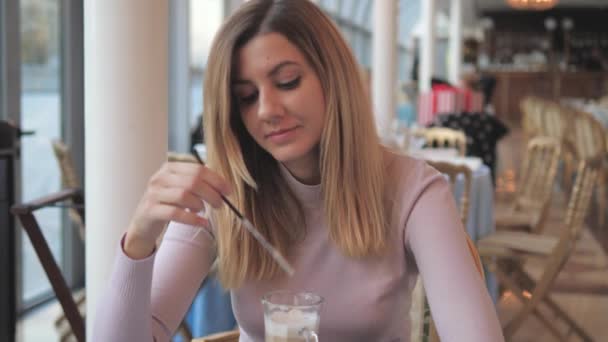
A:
578	207
453	171
532	121
69	176
69	179
444	137
554	119
537	176
587	135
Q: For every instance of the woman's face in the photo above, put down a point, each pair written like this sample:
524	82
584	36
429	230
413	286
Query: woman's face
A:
280	100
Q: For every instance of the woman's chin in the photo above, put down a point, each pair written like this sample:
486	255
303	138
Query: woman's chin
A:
289	154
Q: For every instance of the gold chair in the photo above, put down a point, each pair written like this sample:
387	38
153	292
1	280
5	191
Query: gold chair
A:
532	121
229	336
554	120
453	171
588	137
444	137
505	253
529	208
69	180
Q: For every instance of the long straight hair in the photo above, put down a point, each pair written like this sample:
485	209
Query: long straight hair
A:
351	158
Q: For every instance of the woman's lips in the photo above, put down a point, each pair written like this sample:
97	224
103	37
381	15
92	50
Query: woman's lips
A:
281	136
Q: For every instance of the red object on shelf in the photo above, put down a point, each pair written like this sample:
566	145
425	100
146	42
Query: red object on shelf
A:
444	99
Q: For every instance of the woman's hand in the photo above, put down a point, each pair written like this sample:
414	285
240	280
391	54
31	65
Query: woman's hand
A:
176	192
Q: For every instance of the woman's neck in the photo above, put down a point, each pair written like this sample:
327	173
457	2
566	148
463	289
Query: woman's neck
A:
305	170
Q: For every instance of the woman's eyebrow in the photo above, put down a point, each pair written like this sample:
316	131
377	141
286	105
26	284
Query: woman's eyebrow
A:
279	66
275	69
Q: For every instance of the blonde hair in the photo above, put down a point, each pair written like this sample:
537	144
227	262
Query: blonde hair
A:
351	167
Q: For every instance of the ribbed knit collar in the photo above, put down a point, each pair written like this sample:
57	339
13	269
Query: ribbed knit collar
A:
308	195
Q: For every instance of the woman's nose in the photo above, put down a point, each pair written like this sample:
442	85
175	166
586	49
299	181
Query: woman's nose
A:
269	106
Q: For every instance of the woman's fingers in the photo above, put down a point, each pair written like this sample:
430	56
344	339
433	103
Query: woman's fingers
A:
194	186
166	212
201	173
179	197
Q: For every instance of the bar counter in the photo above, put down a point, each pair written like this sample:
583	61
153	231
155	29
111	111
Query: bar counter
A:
513	86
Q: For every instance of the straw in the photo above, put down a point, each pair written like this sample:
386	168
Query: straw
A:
274	253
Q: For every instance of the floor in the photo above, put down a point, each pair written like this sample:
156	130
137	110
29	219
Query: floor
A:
589	262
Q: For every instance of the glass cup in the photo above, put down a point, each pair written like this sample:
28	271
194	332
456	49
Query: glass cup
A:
291	316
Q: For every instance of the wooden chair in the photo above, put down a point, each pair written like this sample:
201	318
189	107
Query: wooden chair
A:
444	137
504	253
69	180
532	121
529	208
588	137
229	336
554	120
25	214
453	171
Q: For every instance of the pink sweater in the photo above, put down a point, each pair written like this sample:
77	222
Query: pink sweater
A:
365	299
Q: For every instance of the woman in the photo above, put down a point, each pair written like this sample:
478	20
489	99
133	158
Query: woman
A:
291	141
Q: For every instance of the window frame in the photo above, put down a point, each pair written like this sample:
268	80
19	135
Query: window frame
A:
10	109
72	128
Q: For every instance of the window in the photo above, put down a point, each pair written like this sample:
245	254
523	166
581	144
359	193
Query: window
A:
193	25
205	19
40	112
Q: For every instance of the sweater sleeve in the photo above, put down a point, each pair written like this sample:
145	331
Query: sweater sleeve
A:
459	301
146	299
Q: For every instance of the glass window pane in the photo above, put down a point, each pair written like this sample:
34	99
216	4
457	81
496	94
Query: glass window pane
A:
409	15
331	6
346	9
363	6
205	19
41	112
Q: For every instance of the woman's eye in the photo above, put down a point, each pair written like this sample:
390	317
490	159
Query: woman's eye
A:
249	99
291	84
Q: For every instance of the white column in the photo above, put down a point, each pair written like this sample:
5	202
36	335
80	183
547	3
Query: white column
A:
126	105
384	69
427	45
455	45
